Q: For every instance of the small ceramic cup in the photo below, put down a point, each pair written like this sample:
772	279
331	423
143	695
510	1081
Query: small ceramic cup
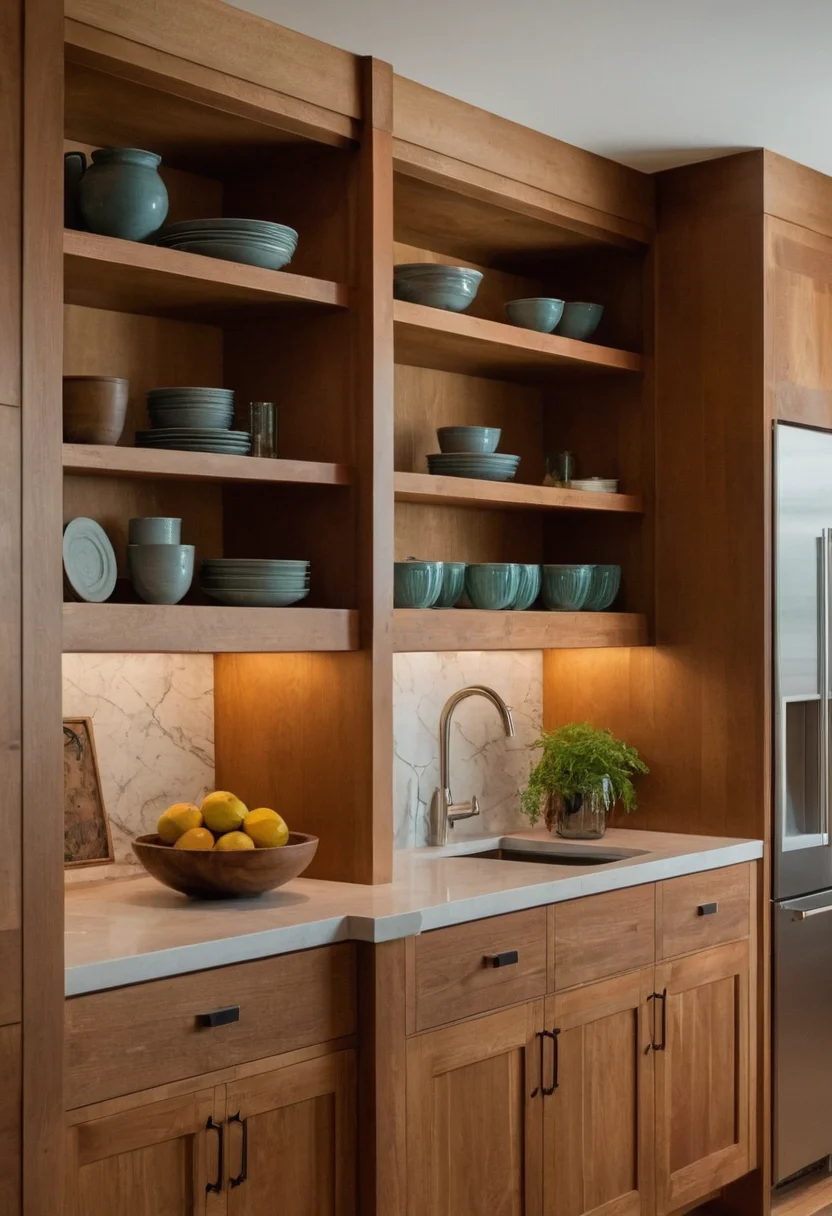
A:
479	439
566	587
580	320
161	574
154	530
453	584
528	587
94	408
492	585
541	313
417	584
603	588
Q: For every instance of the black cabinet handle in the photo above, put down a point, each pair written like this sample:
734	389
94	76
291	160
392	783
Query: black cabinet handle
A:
506	959
707	909
211	1126
243	1174
219	1017
553	1035
659	996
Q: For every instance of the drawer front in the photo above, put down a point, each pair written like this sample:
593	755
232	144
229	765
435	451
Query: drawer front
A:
454	971
133	1038
604	935
701	910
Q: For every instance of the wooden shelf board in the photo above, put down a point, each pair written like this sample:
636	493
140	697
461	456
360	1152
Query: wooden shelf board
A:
102	272
99	460
454	342
194	628
469	629
506	495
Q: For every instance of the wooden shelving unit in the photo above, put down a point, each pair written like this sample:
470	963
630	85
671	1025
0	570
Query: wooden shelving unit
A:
186	628
146	463
469	629
506	495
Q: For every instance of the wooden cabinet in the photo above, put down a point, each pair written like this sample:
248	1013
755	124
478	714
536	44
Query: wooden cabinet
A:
703	1097
598	1123
474	1117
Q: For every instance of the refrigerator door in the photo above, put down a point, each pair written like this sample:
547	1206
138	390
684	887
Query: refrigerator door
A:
803	528
802	1032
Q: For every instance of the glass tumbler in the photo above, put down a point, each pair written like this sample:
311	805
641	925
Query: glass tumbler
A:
263	415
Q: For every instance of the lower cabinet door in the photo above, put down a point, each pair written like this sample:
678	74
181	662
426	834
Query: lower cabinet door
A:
598	1121
703	1093
147	1158
474	1117
291	1140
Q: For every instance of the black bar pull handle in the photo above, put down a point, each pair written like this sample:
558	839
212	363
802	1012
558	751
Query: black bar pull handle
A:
541	1035
553	1035
661	996
243	1174
211	1126
707	909
219	1017
507	959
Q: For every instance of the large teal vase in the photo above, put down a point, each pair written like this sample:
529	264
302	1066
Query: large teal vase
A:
121	194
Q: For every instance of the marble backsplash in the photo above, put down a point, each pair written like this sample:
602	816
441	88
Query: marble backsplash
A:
153	722
483	761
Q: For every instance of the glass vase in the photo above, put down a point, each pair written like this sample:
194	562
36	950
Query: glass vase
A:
582	817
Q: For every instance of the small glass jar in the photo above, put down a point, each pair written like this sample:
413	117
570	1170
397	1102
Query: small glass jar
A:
583	817
560	468
263	425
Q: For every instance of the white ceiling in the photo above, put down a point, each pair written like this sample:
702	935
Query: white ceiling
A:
651	83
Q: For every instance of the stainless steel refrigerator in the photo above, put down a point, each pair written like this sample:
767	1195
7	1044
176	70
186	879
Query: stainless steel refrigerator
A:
802	878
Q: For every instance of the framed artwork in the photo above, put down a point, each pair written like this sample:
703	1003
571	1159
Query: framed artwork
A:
87	839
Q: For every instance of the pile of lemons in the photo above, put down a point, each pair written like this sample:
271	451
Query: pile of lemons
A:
223	823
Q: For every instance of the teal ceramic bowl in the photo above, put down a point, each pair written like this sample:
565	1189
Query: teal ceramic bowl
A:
538	312
417	584
453	288
453	585
603	588
528	587
161	574
565	588
580	320
492	585
482	440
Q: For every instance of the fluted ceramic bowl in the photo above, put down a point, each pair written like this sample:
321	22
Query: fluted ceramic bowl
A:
453	585
528	587
566	587
417	584
603	588
492	585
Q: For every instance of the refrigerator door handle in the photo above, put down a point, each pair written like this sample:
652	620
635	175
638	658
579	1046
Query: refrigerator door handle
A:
824	679
804	914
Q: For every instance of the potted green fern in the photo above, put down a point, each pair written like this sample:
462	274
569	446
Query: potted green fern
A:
581	775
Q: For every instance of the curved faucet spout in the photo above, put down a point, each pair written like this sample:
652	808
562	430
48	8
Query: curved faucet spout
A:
444	812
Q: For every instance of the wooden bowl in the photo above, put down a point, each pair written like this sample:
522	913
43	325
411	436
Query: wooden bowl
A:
95	408
230	875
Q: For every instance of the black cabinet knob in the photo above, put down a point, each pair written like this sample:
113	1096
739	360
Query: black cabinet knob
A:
219	1017
506	959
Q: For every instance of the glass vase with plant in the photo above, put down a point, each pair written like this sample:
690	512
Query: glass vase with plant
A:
580	777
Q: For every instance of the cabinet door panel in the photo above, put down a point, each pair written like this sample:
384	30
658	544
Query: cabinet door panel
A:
300	1147
473	1127
702	1075
598	1124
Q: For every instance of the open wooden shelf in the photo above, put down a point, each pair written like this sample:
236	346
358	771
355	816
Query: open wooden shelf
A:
103	272
454	342
469	629
198	629
506	495
98	460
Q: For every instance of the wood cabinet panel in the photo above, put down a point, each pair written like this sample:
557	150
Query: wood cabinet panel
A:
697	911
144	1035
10	1114
799	322
474	1129
604	935
453	977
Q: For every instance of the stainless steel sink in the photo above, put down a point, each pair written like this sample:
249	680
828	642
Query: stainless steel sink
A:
555	855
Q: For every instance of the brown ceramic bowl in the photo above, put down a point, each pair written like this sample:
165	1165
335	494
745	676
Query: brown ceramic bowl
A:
94	408
230	875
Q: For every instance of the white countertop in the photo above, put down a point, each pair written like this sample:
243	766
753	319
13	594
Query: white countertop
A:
129	930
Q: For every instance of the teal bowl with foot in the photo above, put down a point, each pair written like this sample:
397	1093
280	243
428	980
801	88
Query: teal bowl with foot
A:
603	588
566	587
580	320
417	584
492	585
528	588
453	584
540	313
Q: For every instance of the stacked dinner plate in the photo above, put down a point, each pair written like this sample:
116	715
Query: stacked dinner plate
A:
255	242
489	466
255	582
193	420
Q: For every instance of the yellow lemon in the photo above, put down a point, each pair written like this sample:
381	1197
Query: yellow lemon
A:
266	828
232	841
177	819
196	838
223	812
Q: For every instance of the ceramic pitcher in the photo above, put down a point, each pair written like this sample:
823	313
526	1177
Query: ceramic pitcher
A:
121	193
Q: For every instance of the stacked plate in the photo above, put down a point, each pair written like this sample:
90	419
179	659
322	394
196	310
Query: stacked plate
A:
595	485
255	582
488	466
193	420
255	242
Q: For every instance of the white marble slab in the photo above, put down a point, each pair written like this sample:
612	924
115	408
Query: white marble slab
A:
133	930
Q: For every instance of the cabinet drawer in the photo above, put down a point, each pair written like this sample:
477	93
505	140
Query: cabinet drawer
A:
701	910
133	1038
454	976
604	935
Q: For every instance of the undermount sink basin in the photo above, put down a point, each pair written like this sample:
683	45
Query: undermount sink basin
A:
556	855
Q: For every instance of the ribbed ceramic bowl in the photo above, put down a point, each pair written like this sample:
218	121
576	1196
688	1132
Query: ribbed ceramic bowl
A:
492	585
453	288
232	875
528	587
453	585
468	439
566	587
580	320
603	588
417	584
540	313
